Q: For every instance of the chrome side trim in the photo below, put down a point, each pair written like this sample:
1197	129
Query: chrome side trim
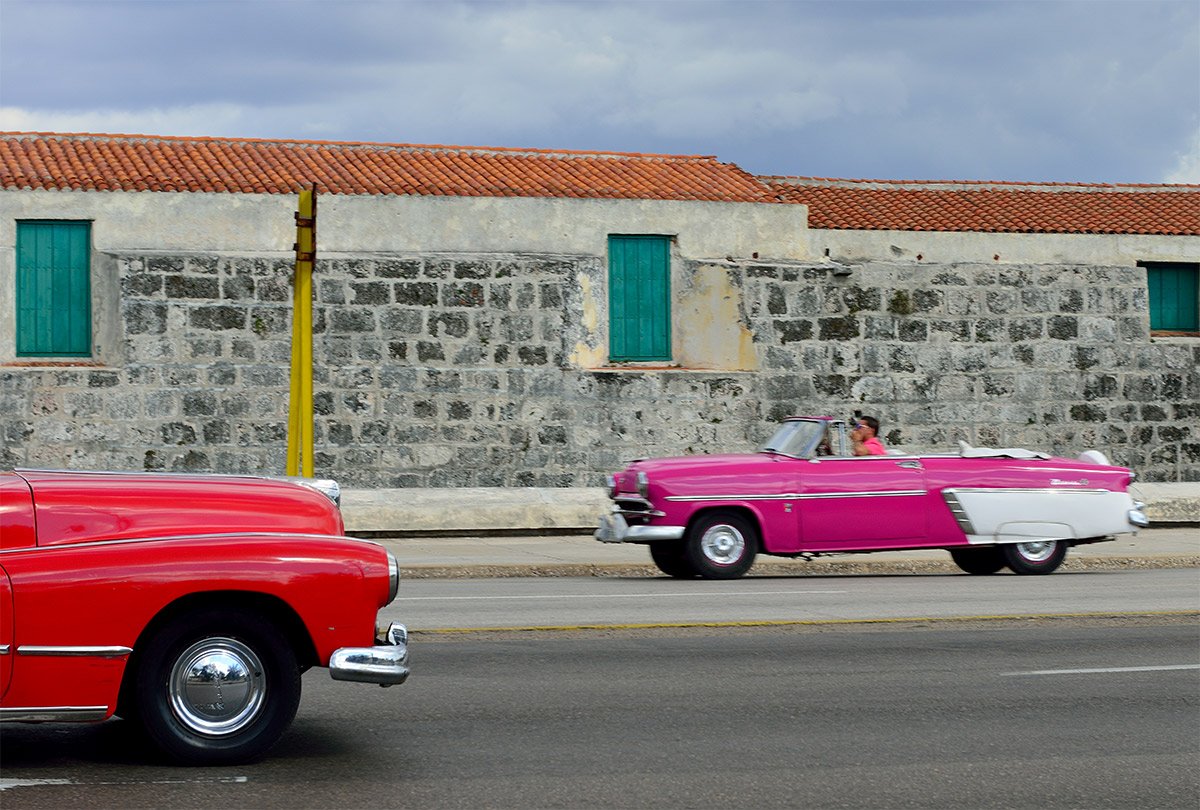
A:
176	537
956	509
74	651
43	714
694	498
800	496
3	649
1034	490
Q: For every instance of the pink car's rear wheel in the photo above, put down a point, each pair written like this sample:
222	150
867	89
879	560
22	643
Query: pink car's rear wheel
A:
1040	557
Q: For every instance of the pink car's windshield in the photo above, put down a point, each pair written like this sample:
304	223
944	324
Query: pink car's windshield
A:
797	438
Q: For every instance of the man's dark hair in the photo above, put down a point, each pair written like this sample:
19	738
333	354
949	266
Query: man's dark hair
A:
871	422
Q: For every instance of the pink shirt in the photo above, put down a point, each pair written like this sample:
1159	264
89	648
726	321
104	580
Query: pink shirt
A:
874	447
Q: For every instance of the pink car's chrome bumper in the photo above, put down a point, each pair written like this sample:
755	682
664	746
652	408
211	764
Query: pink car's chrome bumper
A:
1137	517
615	529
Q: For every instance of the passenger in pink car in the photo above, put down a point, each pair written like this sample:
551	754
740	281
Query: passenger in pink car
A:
864	438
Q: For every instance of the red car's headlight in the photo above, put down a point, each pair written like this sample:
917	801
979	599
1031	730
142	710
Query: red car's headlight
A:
393	577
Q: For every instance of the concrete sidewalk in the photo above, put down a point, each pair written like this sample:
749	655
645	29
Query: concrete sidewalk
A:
577	555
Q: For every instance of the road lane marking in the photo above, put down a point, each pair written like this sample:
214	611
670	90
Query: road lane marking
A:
6	784
1104	670
605	595
430	631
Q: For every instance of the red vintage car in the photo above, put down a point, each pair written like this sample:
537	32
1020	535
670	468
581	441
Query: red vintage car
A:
190	604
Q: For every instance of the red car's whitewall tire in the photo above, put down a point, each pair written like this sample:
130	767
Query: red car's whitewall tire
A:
217	687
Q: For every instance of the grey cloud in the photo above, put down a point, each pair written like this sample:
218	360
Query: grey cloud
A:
971	90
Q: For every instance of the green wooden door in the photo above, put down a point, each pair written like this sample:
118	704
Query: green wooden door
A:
639	298
54	300
1174	296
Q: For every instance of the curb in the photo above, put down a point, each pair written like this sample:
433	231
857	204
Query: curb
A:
814	568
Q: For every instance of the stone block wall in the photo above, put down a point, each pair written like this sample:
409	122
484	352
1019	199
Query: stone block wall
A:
1054	358
458	370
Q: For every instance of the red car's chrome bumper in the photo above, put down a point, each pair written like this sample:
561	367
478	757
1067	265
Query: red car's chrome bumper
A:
385	664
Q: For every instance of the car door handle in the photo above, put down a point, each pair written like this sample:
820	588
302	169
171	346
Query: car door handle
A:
909	465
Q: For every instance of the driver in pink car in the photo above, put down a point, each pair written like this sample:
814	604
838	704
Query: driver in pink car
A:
865	438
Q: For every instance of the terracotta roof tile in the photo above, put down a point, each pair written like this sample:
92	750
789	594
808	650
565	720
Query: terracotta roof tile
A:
145	163
984	207
149	163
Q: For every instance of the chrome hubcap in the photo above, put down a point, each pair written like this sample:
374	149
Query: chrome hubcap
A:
1037	552
217	687
723	544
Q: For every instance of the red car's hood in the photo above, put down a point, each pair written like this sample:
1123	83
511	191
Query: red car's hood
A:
72	507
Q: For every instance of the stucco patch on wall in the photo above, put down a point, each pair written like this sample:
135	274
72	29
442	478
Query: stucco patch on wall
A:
712	331
589	350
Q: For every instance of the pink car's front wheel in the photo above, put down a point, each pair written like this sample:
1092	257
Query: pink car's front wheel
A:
721	545
978	560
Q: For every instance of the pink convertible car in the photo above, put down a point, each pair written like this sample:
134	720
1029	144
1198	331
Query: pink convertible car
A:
803	495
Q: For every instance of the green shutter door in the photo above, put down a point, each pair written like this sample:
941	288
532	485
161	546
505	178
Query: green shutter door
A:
1174	297
54	309
639	283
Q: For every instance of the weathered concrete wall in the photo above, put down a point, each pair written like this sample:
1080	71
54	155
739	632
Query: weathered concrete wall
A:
261	226
258	223
934	247
485	369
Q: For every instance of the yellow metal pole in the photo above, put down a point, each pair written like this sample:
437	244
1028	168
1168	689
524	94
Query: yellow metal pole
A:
306	369
293	448
300	405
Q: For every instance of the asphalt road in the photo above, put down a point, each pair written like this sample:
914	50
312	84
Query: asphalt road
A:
1077	689
599	601
1089	713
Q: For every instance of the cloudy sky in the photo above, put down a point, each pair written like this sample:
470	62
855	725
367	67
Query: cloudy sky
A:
1053	90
